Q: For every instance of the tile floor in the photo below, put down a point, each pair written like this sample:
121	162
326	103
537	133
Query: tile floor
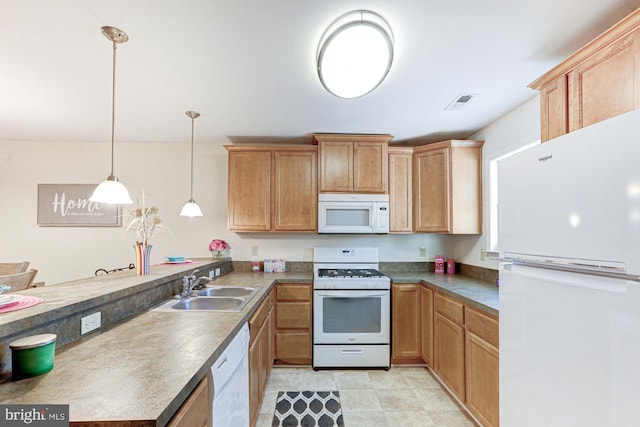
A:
402	396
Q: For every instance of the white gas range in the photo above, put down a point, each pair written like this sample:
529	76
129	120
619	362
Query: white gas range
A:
351	315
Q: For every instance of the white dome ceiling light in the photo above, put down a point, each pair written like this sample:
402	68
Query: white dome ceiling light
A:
355	54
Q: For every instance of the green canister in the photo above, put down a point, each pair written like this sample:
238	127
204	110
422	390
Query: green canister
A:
32	356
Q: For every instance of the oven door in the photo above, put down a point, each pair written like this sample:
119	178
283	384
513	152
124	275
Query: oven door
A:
351	316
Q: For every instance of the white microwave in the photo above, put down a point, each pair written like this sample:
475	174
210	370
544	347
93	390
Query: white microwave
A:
353	213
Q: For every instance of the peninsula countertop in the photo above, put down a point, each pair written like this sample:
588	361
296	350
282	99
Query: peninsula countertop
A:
144	368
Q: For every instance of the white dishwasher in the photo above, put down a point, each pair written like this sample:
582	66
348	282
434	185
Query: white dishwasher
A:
231	383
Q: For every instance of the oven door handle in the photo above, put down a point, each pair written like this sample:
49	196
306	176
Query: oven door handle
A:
351	294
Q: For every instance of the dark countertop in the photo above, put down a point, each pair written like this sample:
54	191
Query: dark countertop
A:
142	369
477	293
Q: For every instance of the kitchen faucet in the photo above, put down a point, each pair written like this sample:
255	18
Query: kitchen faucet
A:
188	283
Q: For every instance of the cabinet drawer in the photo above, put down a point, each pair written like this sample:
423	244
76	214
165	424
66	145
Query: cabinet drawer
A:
293	292
450	308
482	325
258	317
293	315
293	345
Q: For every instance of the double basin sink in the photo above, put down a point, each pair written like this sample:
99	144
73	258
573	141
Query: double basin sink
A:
213	298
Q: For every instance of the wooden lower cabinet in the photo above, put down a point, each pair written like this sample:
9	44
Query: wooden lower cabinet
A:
426	324
260	355
449	358
482	367
405	323
196	410
293	323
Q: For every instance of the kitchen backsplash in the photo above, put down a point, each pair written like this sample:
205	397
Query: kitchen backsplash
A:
472	271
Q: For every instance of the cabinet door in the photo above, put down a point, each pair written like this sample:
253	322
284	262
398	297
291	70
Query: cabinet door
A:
482	380
293	347
265	355
293	315
196	410
426	325
255	380
336	166
370	167
607	83
431	198
405	321
249	194
554	109
293	323
400	191
449	352
295	191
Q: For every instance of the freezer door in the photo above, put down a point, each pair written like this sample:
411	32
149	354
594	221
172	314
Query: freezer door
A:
576	196
569	349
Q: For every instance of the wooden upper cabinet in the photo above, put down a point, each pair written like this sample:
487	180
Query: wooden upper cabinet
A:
273	188
295	190
599	81
554	114
607	84
249	196
400	189
336	166
353	163
447	187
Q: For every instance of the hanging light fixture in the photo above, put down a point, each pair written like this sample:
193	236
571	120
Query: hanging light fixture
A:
191	208
355	54
111	190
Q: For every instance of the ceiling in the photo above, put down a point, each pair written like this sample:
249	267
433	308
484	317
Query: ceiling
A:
249	67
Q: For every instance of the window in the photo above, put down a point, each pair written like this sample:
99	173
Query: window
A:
492	242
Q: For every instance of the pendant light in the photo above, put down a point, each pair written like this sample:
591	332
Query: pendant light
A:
111	190
191	208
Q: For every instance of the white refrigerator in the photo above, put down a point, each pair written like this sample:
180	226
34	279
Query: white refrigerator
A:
569	227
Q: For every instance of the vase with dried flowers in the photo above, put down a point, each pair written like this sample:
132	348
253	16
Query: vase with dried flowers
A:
219	248
146	223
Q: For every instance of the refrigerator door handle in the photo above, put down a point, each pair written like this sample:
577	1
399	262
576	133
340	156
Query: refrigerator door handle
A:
577	279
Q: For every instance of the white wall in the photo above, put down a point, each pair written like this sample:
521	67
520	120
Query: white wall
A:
162	169
515	129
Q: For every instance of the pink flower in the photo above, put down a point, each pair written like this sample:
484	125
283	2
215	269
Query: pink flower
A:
218	245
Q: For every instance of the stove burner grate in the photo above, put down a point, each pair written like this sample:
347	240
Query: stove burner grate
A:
349	273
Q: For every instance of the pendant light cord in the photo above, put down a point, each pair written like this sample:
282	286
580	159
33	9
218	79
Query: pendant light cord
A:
192	125
113	107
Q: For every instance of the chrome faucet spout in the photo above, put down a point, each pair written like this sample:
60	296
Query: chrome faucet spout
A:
188	283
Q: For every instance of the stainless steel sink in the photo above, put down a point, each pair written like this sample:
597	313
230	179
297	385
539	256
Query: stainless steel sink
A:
206	303
214	298
226	291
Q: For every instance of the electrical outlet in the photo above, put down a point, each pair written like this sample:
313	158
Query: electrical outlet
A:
90	322
217	272
212	274
254	250
423	252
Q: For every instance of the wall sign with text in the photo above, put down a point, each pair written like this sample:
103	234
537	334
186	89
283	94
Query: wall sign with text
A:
69	205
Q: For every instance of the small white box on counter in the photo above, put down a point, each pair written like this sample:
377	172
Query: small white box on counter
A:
275	265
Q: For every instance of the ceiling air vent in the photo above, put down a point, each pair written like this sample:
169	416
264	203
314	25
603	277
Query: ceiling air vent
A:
460	101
